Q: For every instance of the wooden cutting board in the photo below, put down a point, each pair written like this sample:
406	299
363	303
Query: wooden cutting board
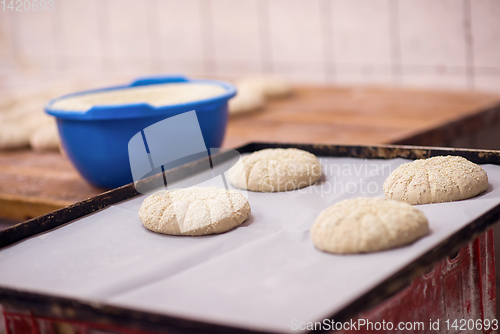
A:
32	183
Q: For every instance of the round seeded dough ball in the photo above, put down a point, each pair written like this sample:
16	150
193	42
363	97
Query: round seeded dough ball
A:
277	169
435	180
194	211
363	225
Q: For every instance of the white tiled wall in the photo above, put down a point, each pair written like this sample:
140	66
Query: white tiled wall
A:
180	50
296	39
433	43
235	55
452	44
361	35
78	44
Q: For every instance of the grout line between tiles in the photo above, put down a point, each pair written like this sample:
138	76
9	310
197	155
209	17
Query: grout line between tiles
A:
56	26
328	45
102	17
207	35
486	71
265	36
469	44
395	42
14	49
153	30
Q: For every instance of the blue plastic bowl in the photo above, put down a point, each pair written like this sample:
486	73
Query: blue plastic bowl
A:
96	140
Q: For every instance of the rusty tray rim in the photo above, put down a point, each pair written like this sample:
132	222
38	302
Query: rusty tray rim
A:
73	309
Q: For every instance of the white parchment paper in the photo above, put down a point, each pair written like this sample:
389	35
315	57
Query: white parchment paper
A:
262	275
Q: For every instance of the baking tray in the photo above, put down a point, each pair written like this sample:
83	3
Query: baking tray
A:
75	309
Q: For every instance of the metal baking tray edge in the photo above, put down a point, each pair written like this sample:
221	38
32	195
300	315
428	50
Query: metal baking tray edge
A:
75	310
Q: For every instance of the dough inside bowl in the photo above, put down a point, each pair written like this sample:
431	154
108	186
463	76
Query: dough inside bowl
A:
155	95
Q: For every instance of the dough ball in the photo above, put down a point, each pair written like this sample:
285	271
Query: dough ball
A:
277	169
271	86
45	138
16	130
435	180
194	211
246	100
362	225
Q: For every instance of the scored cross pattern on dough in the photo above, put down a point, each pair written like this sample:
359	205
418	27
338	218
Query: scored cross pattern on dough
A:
194	211
273	170
363	225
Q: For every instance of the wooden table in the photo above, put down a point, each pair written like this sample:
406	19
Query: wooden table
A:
34	183
335	115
